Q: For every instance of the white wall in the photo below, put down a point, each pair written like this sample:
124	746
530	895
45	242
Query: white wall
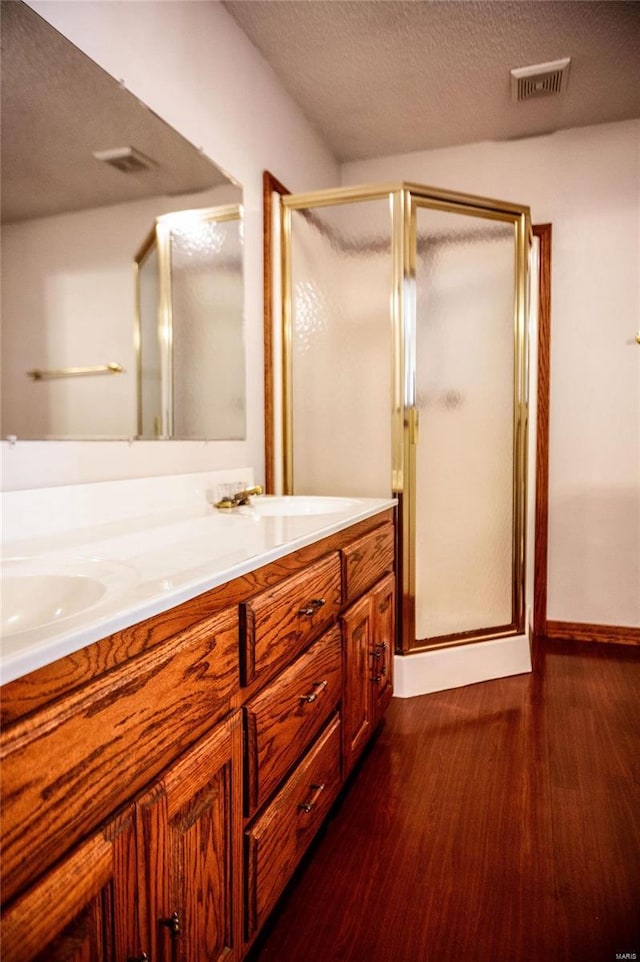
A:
191	63
586	182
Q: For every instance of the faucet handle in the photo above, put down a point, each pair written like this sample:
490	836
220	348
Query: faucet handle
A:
240	497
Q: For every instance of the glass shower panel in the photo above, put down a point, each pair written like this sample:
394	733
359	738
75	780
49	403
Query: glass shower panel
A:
207	329
340	349
465	295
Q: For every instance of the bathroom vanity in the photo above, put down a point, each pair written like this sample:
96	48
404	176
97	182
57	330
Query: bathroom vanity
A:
161	783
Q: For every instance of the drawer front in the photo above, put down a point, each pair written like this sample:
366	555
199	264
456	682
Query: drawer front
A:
285	717
279	623
281	835
367	559
65	769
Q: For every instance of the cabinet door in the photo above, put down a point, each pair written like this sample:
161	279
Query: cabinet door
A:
383	641
190	825
357	709
85	909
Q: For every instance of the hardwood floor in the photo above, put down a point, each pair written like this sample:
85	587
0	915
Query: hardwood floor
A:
496	823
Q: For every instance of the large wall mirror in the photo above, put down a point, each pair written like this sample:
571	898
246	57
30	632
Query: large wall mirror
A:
122	258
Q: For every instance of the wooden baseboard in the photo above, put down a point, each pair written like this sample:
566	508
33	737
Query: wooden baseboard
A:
611	634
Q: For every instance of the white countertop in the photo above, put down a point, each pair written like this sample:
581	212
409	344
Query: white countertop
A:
144	566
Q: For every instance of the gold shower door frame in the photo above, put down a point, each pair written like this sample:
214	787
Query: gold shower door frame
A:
405	199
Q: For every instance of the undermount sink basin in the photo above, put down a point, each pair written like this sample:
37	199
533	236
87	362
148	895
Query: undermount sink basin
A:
300	504
34	600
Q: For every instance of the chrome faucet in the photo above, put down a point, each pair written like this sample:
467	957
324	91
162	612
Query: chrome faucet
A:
240	497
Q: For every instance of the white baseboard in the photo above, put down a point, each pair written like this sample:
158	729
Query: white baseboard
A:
443	668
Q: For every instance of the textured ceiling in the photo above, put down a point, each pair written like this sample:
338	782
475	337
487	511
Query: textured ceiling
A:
57	107
379	77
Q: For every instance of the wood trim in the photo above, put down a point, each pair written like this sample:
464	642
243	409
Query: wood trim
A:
270	185
576	631
543	233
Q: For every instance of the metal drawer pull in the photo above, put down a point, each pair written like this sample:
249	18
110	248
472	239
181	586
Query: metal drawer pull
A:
379	650
307	806
139	958
319	687
312	607
173	924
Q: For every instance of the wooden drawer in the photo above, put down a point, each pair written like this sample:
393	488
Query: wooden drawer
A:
280	622
285	717
367	559
281	835
67	767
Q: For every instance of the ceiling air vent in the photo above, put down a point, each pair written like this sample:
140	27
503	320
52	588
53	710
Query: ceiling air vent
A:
540	80
127	159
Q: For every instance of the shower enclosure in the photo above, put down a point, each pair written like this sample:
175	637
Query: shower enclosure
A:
403	360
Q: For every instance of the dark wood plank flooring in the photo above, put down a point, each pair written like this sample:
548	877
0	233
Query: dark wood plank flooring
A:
493	823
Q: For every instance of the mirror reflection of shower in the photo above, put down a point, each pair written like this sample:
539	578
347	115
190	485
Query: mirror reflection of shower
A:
189	329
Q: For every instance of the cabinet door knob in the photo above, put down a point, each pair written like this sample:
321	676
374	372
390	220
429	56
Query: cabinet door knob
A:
173	924
139	958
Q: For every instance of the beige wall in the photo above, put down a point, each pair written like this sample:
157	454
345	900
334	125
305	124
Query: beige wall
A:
586	182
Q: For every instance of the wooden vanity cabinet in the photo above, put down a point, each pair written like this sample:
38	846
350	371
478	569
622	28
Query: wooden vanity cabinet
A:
160	787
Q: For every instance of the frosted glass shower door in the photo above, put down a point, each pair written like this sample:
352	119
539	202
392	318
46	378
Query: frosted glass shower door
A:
466	321
339	337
